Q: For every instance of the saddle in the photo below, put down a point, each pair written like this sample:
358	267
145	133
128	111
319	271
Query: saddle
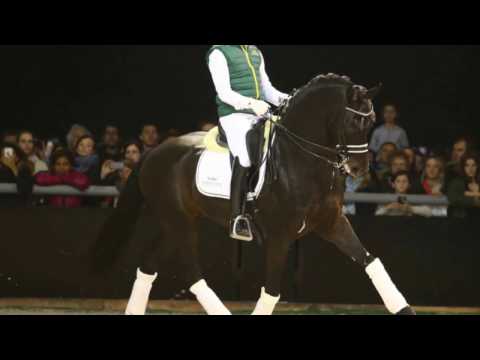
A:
257	143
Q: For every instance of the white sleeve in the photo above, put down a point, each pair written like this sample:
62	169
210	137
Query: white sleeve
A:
381	210
422	210
271	94
217	63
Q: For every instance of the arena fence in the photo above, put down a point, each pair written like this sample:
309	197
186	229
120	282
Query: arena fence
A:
102	191
45	253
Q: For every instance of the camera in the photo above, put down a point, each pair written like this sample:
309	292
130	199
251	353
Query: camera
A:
118	165
402	200
8	152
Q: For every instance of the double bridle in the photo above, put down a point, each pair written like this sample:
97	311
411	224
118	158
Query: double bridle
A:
342	151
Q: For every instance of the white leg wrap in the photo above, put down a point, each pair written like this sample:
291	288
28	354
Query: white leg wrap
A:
208	299
392	298
137	304
266	304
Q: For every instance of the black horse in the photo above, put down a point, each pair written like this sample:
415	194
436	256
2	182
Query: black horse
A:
321	135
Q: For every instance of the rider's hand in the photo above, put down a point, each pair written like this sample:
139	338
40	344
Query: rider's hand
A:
259	107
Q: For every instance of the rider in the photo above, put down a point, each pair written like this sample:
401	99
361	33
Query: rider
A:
243	90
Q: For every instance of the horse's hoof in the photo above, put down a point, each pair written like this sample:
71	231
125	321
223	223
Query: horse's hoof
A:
407	311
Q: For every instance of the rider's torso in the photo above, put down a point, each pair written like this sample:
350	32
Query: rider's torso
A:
244	67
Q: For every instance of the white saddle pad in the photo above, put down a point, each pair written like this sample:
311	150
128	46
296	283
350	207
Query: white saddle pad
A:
214	175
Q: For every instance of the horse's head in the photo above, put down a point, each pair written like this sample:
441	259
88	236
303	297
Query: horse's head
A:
359	119
334	112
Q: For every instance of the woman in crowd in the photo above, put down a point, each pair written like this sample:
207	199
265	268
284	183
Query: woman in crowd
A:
117	173
401	184
112	171
432	179
15	168
86	160
382	160
463	191
26	142
74	134
62	173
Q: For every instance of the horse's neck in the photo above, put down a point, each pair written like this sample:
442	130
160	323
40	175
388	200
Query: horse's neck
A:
313	130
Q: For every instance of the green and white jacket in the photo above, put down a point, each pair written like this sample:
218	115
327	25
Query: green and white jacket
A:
238	73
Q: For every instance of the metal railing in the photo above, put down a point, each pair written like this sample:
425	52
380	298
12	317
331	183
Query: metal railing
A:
92	191
350	198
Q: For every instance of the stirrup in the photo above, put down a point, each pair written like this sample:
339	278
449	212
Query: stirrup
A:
235	235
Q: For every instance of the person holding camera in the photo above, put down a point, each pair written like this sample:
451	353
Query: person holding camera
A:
15	168
32	149
116	173
401	184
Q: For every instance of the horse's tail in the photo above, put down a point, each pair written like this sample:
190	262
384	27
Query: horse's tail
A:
119	227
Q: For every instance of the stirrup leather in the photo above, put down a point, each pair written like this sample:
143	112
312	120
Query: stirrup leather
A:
236	221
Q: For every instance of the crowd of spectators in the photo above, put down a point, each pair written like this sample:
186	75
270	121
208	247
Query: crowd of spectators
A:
400	169
84	159
81	160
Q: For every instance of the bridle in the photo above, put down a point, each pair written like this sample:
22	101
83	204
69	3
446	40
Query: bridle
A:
342	151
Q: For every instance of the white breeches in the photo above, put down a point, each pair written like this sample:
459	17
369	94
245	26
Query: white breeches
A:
236	127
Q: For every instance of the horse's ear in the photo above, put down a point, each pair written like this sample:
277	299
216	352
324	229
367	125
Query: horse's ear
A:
373	92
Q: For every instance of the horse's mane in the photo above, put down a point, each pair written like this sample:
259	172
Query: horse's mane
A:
320	81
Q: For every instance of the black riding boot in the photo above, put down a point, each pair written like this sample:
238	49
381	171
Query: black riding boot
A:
240	228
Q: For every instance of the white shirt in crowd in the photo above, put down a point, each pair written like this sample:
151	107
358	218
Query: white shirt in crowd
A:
420	210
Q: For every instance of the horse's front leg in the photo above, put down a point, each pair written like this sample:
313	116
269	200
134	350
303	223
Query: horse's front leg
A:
344	237
276	253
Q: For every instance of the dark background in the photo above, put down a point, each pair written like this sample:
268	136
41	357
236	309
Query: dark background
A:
48	88
432	261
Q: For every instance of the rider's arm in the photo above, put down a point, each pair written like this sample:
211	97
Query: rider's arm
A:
221	78
271	94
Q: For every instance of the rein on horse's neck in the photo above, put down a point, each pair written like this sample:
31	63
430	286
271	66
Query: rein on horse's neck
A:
323	125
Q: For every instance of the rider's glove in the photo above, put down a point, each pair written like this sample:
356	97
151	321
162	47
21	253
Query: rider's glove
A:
259	107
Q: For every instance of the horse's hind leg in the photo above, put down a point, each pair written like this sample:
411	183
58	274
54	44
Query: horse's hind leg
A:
187	237
146	275
348	242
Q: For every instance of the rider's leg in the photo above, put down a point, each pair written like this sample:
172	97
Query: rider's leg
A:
236	127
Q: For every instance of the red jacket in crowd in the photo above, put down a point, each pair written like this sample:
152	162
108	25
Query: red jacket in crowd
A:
73	178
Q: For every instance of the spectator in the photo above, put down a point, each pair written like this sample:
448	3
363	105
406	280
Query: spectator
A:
62	173
412	159
401	185
15	168
352	185
398	162
383	158
460	147
9	137
25	141
390	131
111	171
117	173
133	152
149	136
110	147
86	160
463	191
432	179
75	133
